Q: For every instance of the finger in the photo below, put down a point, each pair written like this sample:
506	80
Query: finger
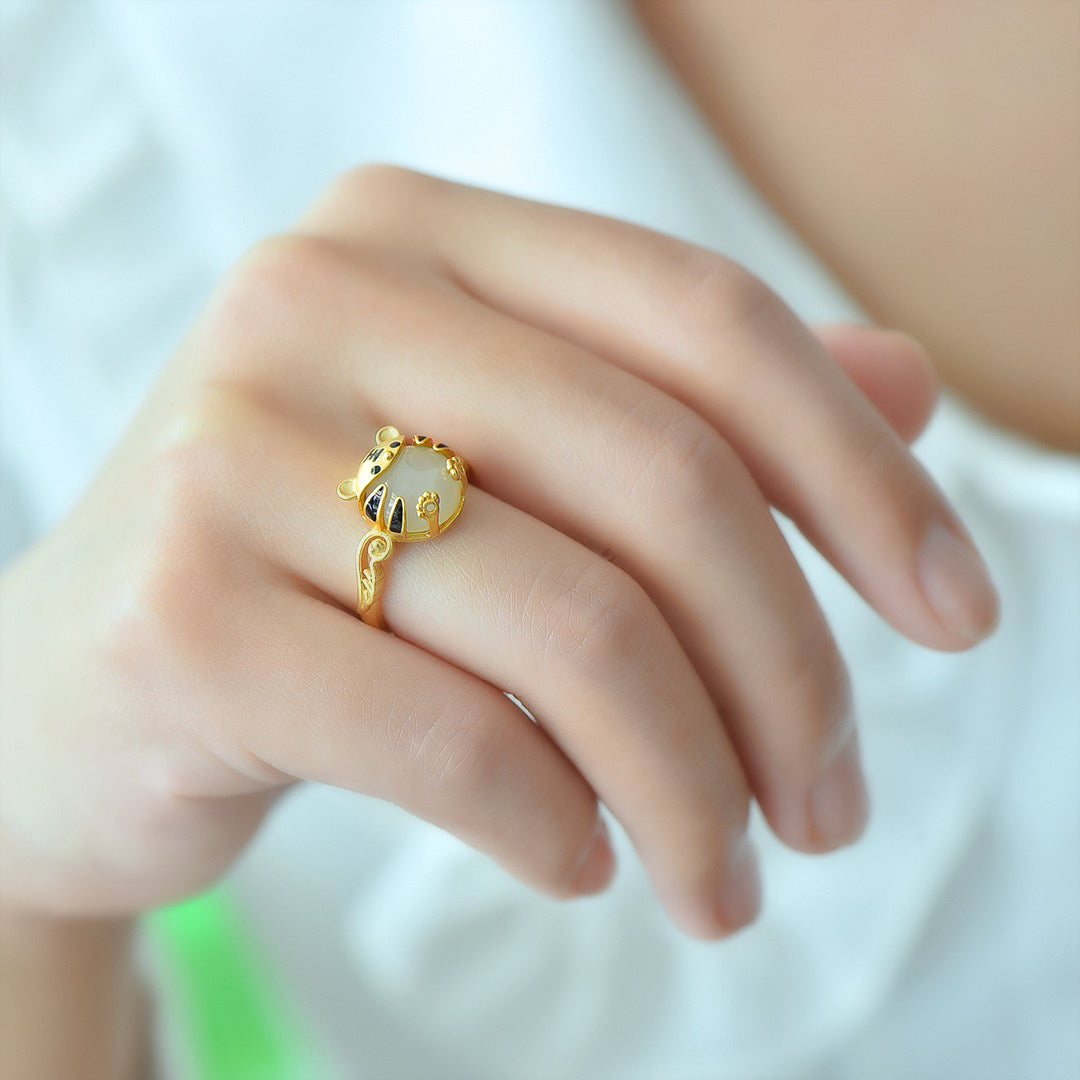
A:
892	370
626	470
363	710
581	643
708	333
638	476
523	607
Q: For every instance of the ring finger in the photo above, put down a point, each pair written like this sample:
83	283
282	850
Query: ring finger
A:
524	607
623	468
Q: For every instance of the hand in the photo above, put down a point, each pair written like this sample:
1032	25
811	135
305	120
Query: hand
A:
184	646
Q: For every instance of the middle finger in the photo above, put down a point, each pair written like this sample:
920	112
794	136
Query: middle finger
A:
629	471
524	607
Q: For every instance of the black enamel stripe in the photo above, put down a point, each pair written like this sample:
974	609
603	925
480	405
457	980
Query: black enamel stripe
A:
397	515
371	507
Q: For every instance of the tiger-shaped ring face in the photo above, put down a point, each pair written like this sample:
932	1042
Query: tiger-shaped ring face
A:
410	488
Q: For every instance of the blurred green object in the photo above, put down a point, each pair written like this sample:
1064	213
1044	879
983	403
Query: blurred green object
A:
234	1020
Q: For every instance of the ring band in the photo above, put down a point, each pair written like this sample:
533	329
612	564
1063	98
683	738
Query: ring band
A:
406	489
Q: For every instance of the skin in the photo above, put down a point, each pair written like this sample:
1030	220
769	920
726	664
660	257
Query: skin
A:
928	151
206	654
685	385
70	1001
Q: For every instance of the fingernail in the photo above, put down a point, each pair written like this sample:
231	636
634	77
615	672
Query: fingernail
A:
839	804
739	900
957	584
597	863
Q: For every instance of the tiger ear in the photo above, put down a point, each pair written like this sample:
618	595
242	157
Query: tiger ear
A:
347	489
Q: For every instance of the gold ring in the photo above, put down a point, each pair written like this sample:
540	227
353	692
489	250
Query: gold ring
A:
406	489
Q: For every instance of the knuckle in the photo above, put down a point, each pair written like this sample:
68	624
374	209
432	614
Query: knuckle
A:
456	756
197	465
270	295
881	464
294	289
885	488
717	295
286	267
818	692
147	628
683	460
595	620
378	182
709	830
185	548
379	200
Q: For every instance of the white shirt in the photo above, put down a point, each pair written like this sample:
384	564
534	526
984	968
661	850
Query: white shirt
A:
144	147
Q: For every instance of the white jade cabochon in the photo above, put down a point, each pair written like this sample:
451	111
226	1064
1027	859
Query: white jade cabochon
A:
418	469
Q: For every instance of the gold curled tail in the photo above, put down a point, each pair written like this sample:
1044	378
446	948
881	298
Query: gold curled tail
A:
372	550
